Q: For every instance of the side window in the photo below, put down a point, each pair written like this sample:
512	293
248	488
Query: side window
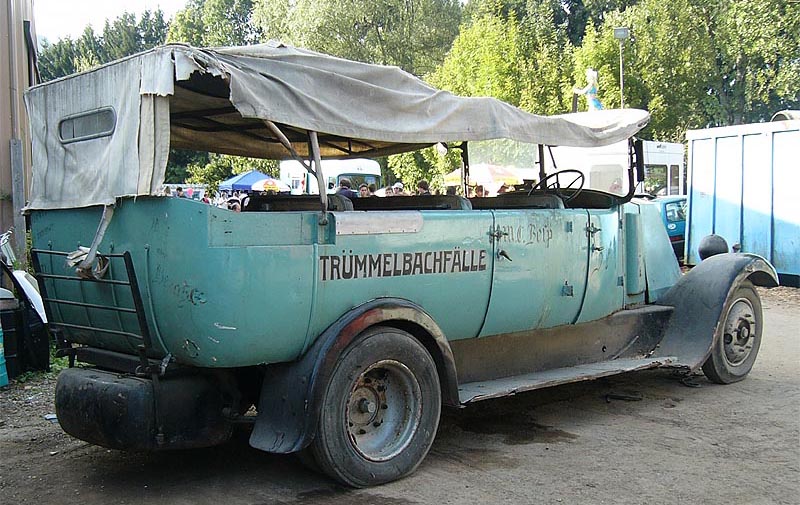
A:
676	211
87	125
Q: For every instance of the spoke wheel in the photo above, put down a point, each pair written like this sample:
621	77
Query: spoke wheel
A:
735	348
380	411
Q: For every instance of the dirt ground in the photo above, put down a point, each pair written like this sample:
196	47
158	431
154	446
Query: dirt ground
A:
706	444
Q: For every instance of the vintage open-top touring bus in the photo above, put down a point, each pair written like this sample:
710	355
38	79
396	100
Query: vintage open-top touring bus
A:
346	324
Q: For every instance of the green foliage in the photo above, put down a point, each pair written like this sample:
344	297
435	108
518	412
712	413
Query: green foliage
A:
522	58
187	25
57	59
547	59
220	167
179	161
484	61
695	63
215	23
691	63
121	37
412	34
56	365
425	164
756	58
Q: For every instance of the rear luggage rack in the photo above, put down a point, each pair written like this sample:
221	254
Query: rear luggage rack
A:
107	309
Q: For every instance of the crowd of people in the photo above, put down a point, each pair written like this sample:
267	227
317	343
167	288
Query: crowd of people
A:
367	190
235	200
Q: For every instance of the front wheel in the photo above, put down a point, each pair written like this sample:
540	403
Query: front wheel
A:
380	411
735	349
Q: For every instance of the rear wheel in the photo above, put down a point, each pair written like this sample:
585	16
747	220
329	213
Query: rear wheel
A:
380	411
736	348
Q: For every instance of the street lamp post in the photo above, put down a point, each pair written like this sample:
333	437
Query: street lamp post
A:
621	34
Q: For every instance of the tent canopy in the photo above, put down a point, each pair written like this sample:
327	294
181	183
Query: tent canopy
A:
242	182
106	133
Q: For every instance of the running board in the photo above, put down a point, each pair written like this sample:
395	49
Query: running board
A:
496	388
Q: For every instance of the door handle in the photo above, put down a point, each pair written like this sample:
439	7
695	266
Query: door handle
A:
503	254
591	230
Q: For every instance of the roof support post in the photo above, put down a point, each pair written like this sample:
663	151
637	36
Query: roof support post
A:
542	171
323	194
288	145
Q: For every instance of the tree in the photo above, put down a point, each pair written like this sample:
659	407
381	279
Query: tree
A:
215	23
152	29
89	51
227	22
522	57
121	37
187	25
547	61
412	34
757	58
220	167
485	61
425	164
694	64
57	59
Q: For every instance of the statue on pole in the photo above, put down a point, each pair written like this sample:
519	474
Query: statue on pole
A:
590	91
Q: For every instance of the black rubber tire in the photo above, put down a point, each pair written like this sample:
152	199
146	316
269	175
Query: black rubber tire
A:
332	448
717	368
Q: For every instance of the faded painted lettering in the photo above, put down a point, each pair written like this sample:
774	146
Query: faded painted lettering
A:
534	234
367	266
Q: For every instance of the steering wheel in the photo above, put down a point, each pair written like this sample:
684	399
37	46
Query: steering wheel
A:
556	186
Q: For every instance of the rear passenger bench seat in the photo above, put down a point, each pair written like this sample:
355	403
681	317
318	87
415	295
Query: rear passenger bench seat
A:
424	202
285	203
338	203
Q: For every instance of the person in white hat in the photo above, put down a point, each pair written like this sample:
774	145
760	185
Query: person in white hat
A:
398	188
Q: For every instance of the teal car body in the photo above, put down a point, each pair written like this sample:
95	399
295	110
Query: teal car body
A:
673	214
345	323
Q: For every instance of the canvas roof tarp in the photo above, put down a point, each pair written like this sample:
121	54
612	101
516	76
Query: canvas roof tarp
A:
218	100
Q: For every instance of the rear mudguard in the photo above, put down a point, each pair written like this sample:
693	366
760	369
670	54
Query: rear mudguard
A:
700	297
291	392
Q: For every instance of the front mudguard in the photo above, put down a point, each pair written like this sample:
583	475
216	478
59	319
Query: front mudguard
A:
700	297
291	393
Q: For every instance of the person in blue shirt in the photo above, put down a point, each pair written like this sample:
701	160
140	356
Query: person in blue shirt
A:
346	189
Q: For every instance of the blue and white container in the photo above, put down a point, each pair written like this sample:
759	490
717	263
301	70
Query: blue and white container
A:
743	187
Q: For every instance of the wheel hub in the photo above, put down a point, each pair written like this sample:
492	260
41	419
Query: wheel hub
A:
383	410
739	332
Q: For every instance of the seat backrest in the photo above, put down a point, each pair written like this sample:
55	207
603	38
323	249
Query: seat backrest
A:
519	200
417	202
283	203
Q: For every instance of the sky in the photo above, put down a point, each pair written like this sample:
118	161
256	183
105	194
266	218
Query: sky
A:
57	19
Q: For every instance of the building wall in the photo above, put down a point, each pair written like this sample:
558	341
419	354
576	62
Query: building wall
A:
11	102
